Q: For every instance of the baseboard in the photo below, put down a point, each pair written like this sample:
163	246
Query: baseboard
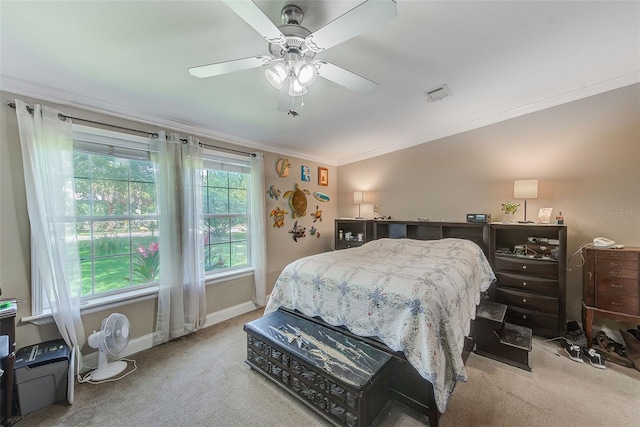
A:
90	361
229	313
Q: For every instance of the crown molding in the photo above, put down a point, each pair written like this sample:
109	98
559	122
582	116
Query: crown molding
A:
584	92
48	94
32	90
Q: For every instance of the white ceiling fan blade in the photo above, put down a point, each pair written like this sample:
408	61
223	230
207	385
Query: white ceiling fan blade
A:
346	78
358	20
226	67
253	15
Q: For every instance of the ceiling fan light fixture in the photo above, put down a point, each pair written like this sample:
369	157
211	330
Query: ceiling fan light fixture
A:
276	75
296	89
306	73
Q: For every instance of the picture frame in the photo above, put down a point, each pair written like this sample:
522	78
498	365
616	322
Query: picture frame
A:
544	215
323	176
305	173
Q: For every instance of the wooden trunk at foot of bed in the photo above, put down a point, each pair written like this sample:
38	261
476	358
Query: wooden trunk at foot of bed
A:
407	385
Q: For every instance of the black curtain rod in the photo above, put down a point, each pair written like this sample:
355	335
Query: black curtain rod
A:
64	117
184	141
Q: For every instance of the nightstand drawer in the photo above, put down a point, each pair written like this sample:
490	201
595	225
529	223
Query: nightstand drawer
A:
617	303
617	286
617	272
546	269
540	323
528	301
528	283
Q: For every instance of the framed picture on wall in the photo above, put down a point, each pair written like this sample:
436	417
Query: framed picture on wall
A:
305	173
323	176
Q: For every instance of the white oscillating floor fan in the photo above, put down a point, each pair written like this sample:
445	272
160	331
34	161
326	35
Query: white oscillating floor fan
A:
112	338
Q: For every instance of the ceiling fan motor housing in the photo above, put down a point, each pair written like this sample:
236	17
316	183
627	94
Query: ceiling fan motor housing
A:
294	33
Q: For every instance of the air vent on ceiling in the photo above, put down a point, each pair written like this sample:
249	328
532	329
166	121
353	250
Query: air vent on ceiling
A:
437	93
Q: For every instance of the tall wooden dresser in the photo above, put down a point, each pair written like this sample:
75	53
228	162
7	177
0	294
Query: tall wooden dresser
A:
530	265
610	286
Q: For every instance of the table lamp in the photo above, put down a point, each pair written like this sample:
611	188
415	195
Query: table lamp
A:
525	189
358	199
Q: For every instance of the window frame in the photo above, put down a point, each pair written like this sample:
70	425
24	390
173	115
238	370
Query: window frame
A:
109	140
215	160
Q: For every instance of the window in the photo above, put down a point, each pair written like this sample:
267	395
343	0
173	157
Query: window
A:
116	215
225	202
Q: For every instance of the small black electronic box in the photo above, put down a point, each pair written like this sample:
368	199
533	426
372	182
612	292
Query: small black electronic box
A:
478	217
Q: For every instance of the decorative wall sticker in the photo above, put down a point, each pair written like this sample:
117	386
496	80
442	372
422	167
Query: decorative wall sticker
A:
314	232
273	192
305	173
317	215
297	201
297	231
282	167
321	197
323	176
278	217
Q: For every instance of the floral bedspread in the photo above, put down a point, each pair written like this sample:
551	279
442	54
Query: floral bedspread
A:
416	296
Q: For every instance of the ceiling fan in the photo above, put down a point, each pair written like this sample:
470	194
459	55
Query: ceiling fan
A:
291	66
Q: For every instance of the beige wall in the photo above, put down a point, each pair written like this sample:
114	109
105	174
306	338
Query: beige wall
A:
14	232
585	154
280	245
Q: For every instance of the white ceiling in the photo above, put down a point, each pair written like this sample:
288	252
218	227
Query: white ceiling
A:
499	59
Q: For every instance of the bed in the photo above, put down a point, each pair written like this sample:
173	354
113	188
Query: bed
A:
416	297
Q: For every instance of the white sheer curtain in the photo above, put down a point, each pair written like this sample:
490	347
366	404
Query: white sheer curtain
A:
181	296
47	157
258	244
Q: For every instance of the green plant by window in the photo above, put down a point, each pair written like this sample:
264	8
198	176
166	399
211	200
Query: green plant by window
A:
146	263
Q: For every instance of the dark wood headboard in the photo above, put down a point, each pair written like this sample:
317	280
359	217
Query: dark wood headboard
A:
434	230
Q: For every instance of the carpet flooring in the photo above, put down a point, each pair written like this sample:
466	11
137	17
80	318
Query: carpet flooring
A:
202	380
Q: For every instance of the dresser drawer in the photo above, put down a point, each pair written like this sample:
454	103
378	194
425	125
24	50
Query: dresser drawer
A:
617	303
617	286
540	323
616	263
546	269
528	283
528	301
617	272
616	254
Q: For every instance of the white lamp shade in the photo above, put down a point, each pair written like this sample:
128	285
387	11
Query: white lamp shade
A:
525	189
276	75
306	73
358	197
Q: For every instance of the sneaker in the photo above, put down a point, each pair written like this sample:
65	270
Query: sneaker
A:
575	334
573	351
594	357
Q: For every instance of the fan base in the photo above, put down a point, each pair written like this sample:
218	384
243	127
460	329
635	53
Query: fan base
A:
110	370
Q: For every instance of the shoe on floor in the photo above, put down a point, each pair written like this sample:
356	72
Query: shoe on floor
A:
574	352
594	357
633	347
575	334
